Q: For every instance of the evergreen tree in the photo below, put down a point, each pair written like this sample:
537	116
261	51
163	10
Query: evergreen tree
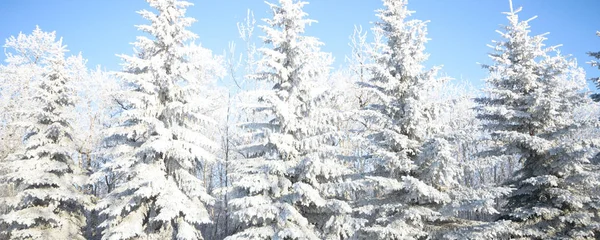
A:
412	167
290	166
160	141
530	112
48	202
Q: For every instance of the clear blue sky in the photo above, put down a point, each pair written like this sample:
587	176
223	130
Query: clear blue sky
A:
459	29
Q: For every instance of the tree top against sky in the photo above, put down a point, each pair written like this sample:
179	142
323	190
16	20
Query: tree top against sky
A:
101	29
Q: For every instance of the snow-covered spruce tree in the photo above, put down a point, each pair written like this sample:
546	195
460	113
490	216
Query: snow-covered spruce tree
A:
159	142
407	184
595	63
530	112
285	185
48	202
23	58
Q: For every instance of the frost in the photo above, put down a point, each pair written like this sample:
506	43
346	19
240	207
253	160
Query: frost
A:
48	202
292	160
533	96
161	136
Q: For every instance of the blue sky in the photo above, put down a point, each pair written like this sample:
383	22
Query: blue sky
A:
459	29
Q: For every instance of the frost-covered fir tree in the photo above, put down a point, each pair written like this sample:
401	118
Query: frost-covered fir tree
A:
48	202
159	143
530	108
595	63
286	185
412	167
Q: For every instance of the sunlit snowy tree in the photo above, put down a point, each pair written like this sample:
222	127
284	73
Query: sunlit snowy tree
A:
23	57
412	164
530	111
287	186
160	141
48	202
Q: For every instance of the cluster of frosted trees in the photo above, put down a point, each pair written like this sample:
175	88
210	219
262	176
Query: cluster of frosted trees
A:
383	149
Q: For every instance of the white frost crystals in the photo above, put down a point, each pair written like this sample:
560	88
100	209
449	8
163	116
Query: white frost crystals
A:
46	182
293	157
277	144
533	96
160	141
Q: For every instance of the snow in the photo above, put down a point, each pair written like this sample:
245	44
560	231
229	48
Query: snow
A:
42	169
161	137
383	147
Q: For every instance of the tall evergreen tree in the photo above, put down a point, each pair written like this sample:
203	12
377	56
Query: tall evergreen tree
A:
48	202
530	112
160	141
411	162
284	181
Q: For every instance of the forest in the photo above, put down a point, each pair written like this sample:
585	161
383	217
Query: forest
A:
296	149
